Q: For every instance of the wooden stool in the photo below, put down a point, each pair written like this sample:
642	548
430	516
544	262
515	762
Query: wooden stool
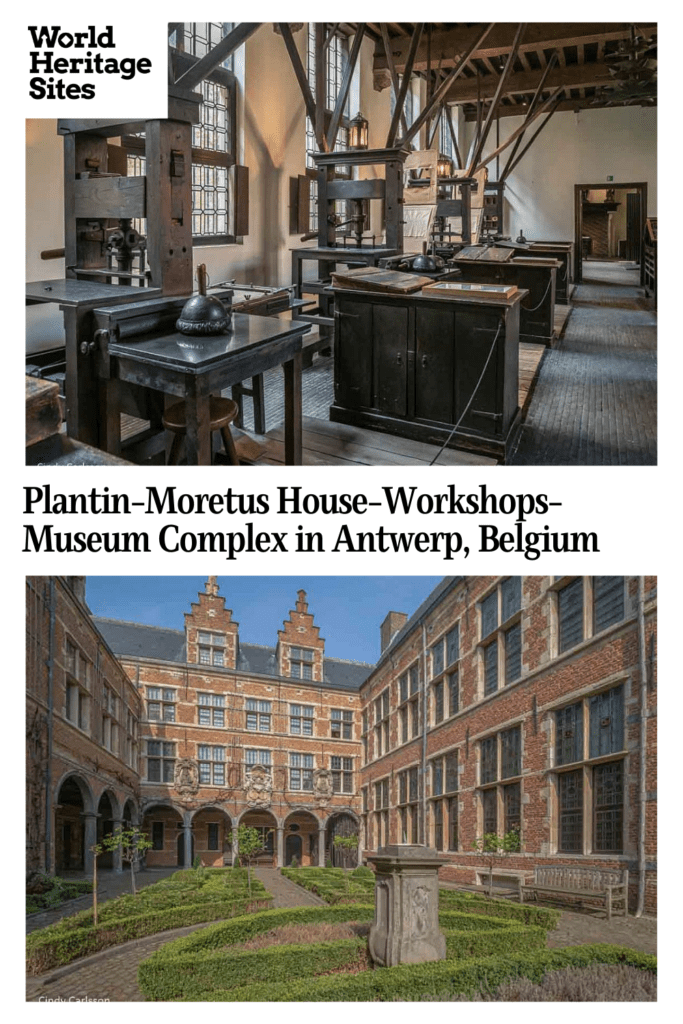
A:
256	392
222	411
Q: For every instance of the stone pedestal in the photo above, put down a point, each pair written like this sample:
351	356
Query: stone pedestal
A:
406	926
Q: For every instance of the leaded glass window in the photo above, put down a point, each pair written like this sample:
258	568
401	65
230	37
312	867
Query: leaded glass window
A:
608	601
570	614
570	792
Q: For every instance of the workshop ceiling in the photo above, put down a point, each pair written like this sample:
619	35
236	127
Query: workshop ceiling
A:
597	64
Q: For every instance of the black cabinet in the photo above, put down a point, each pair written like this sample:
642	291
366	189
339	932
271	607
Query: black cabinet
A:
537	276
415	366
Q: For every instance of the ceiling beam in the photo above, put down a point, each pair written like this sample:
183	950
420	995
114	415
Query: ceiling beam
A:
440	93
405	82
532	107
392	71
518	131
450	44
220	52
521	109
302	79
575	76
344	87
503	78
533	138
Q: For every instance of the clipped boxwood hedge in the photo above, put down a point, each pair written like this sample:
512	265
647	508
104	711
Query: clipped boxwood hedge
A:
185	898
442	978
473	903
192	967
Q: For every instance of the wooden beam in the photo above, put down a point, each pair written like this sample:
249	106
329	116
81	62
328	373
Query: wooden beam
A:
220	52
573	76
449	118
518	131
330	35
536	133
432	132
496	99
320	86
303	83
386	42
405	82
532	107
344	88
441	92
520	109
451	42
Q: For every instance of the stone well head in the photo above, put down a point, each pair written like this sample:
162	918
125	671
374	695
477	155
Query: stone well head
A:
406	926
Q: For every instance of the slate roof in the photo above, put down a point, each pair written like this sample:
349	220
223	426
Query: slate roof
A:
439	592
131	639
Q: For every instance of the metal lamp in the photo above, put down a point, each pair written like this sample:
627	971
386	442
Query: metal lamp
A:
358	132
444	166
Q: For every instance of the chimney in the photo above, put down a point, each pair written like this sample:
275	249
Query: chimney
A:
390	627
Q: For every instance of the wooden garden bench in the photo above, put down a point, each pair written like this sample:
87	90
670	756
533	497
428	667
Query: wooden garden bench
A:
590	884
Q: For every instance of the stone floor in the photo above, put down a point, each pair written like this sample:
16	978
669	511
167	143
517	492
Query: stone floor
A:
595	401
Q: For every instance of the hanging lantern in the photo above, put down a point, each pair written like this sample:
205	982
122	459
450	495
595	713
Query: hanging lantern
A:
358	132
444	166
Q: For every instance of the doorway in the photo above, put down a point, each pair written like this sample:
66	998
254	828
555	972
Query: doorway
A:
609	224
293	849
180	849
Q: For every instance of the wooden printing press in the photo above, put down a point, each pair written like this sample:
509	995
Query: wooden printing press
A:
110	265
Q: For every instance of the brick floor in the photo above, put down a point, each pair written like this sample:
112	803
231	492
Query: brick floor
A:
112	974
595	401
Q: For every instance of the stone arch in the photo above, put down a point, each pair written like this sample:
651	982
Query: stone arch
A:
74	821
211	831
130	813
268	825
165	825
343	822
108	817
301	838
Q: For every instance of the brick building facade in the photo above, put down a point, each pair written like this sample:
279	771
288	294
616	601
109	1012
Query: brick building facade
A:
518	706
234	733
83	715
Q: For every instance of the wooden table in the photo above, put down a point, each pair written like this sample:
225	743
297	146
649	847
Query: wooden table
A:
194	368
77	299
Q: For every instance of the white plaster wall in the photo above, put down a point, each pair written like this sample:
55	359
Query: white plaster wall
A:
575	148
44	225
272	128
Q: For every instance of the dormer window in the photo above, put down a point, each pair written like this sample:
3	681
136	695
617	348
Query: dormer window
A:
211	648
301	663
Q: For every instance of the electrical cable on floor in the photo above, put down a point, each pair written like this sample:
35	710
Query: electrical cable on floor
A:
534	308
476	388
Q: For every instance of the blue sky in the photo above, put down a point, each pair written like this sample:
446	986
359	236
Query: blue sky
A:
348	609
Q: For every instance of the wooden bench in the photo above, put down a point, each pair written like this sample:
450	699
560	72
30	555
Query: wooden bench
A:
589	884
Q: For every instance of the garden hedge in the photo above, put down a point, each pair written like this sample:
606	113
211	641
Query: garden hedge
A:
185	898
443	978
192	967
473	903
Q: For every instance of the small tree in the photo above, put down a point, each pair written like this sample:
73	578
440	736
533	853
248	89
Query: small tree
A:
346	843
96	850
250	842
491	845
131	842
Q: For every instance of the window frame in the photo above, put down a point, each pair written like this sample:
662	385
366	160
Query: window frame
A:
591	705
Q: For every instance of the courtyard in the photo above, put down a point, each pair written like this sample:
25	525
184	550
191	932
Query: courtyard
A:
322	943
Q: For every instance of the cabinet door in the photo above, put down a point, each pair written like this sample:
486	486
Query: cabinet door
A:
390	329
434	364
475	330
353	354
